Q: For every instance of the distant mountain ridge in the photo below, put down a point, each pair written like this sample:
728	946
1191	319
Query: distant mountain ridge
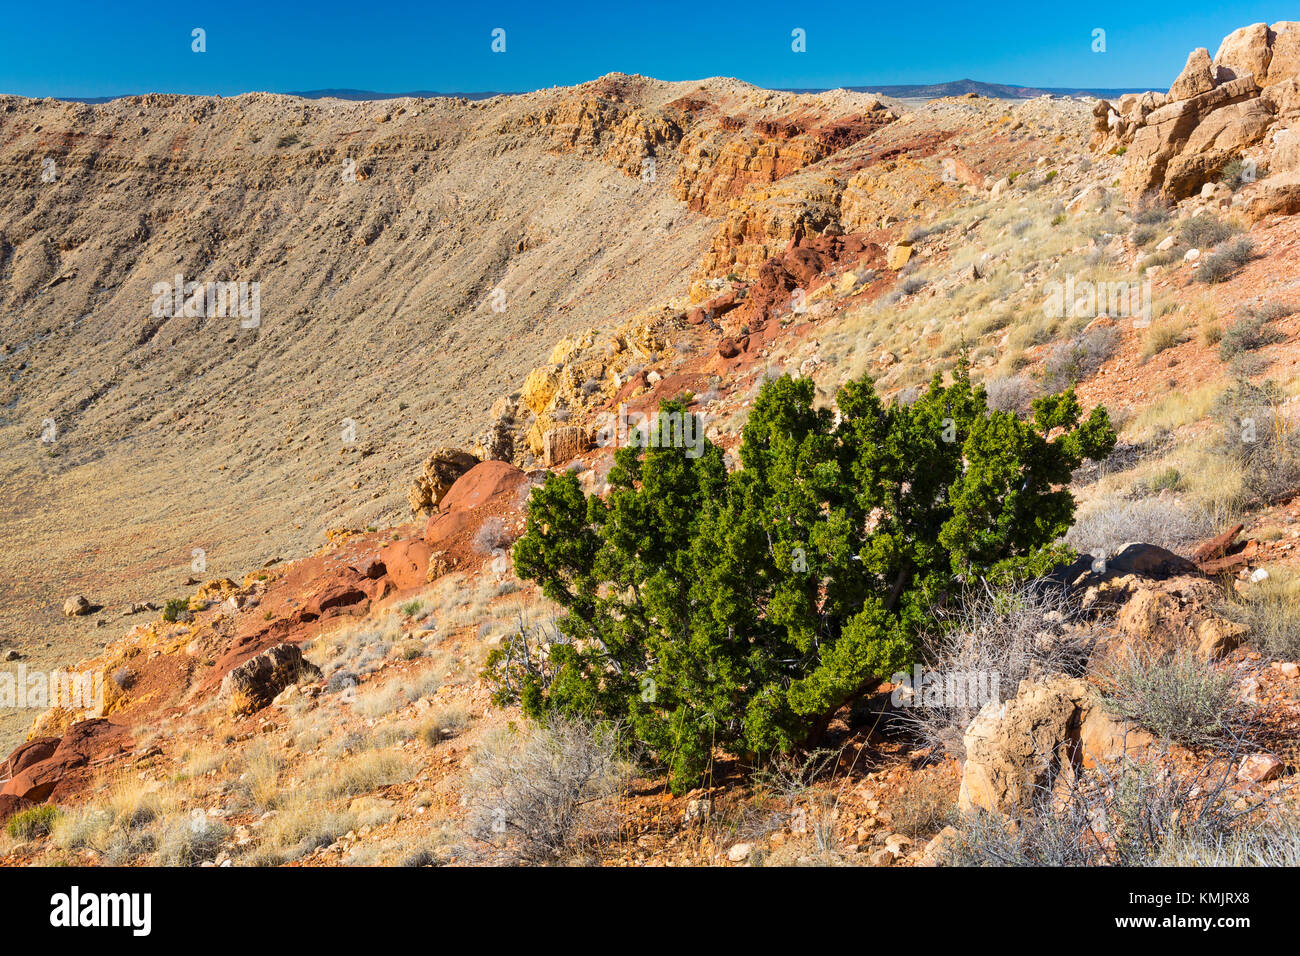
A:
926	91
999	91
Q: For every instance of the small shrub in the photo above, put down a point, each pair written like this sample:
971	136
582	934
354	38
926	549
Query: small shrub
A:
1132	814
992	640
1181	695
81	828
366	772
1224	260
422	856
494	535
444	722
1150	212
32	823
176	609
1145	235
190	839
341	680
1249	333
411	608
1073	361
300	829
1014	393
1203	231
132	804
1258	435
1238	251
1105	528
1169	479
547	789
1272	311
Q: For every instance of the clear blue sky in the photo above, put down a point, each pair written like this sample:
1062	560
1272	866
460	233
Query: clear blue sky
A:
99	48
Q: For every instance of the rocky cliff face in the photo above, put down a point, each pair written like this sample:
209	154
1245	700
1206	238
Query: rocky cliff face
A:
1238	107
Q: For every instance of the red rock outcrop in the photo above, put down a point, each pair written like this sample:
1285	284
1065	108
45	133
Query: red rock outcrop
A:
488	491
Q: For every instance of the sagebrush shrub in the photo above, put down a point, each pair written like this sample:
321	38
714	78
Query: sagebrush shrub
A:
1181	696
925	807
546	790
1014	393
1225	259
1072	362
1258	434
1023	630
1204	230
1106	527
1247	334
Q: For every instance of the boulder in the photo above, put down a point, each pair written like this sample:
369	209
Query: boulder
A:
540	387
937	849
1164	133
489	486
10	805
1215	111
1091	198
332	596
256	682
1217	546
1151	561
729	348
1277	195
1016	750
899	256
1244	52
438	473
1180	615
1284	64
1259	768
41	779
75	606
563	443
28	753
483	483
407	562
1197	76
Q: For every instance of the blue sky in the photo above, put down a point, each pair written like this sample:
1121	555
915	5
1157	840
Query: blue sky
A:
94	48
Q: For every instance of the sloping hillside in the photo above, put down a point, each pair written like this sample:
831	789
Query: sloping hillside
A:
412	260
